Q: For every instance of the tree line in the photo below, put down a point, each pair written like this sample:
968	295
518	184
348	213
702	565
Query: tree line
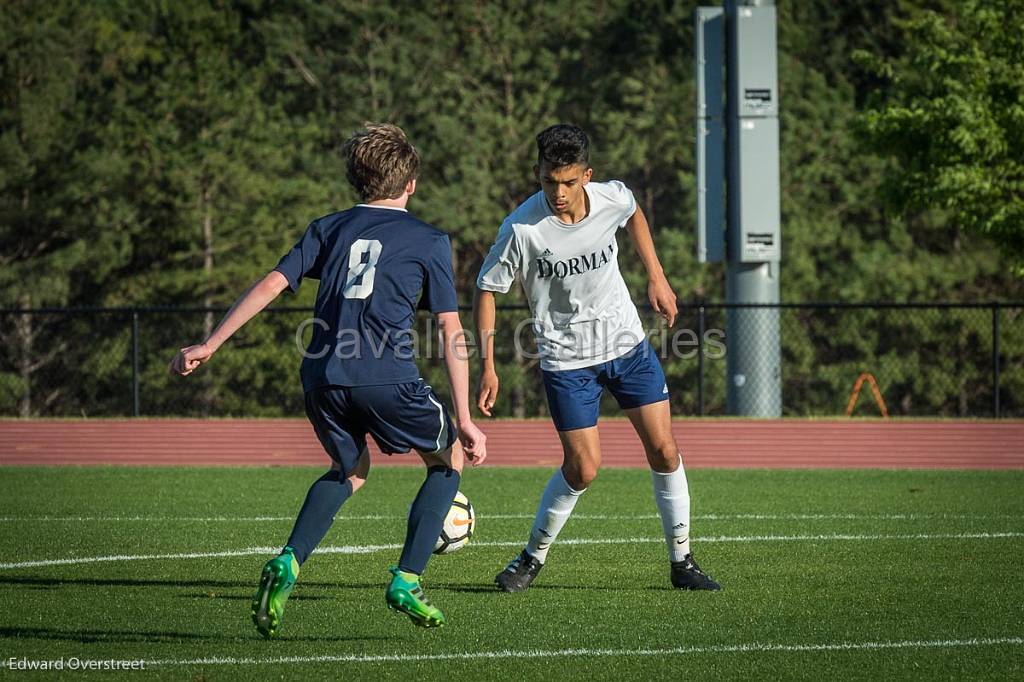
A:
167	153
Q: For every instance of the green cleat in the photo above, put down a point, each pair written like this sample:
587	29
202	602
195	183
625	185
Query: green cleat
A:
405	595
276	583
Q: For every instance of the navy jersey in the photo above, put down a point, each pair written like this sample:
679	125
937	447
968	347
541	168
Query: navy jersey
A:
376	266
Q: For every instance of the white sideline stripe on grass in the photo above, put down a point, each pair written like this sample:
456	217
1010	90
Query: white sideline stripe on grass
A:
752	647
368	549
591	517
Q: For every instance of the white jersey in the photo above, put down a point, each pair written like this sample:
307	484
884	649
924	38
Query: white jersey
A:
583	314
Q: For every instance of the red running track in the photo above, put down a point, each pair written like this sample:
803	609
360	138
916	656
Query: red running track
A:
705	443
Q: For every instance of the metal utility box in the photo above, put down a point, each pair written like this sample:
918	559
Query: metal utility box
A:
709	47
753	68
710	191
754	230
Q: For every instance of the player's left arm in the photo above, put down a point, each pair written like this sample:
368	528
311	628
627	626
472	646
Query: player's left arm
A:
252	301
659	291
456	360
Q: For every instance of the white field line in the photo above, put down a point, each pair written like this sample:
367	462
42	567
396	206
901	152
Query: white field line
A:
590	517
368	549
751	647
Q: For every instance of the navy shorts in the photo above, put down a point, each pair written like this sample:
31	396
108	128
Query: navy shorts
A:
635	379
400	417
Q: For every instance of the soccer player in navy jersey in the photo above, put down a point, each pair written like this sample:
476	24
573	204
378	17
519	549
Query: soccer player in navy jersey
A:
561	243
375	263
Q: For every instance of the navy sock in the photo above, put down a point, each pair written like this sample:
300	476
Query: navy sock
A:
427	517
323	501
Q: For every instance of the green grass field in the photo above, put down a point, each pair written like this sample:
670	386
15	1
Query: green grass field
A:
827	574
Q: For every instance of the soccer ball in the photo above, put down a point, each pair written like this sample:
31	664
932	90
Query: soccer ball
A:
458	526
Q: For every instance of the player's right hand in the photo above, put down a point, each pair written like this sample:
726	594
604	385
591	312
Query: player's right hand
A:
189	358
474	443
487	391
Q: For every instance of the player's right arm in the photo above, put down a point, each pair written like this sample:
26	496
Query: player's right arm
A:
302	261
252	301
484	313
496	276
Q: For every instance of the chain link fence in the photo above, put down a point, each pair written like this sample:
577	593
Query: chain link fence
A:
929	360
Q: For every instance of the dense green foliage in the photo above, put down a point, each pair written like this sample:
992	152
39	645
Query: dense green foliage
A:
807	559
167	153
953	118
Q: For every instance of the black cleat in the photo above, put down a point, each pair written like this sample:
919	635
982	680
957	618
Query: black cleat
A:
519	573
686	575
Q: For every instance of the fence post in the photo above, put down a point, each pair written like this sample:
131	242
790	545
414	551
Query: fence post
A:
700	358
135	363
995	360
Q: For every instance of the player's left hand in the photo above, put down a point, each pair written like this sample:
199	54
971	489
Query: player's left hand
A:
188	359
663	299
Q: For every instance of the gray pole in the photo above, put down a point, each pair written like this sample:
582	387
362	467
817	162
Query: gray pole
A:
739	39
752	209
752	361
135	363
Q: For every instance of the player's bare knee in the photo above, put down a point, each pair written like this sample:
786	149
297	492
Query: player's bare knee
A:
579	477
358	474
587	476
664	458
457	457
447	458
357	479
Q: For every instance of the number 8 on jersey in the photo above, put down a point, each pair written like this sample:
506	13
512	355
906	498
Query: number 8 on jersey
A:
360	272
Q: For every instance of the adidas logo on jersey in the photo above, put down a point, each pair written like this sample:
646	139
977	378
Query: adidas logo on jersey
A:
577	265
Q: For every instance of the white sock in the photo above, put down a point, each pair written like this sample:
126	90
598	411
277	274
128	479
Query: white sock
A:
556	504
673	498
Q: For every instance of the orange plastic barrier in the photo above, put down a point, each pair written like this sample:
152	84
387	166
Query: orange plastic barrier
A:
866	376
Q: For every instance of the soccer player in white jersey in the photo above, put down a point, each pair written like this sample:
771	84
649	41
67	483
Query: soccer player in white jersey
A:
562	245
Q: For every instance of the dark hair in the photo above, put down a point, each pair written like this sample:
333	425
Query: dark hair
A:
563	145
380	161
